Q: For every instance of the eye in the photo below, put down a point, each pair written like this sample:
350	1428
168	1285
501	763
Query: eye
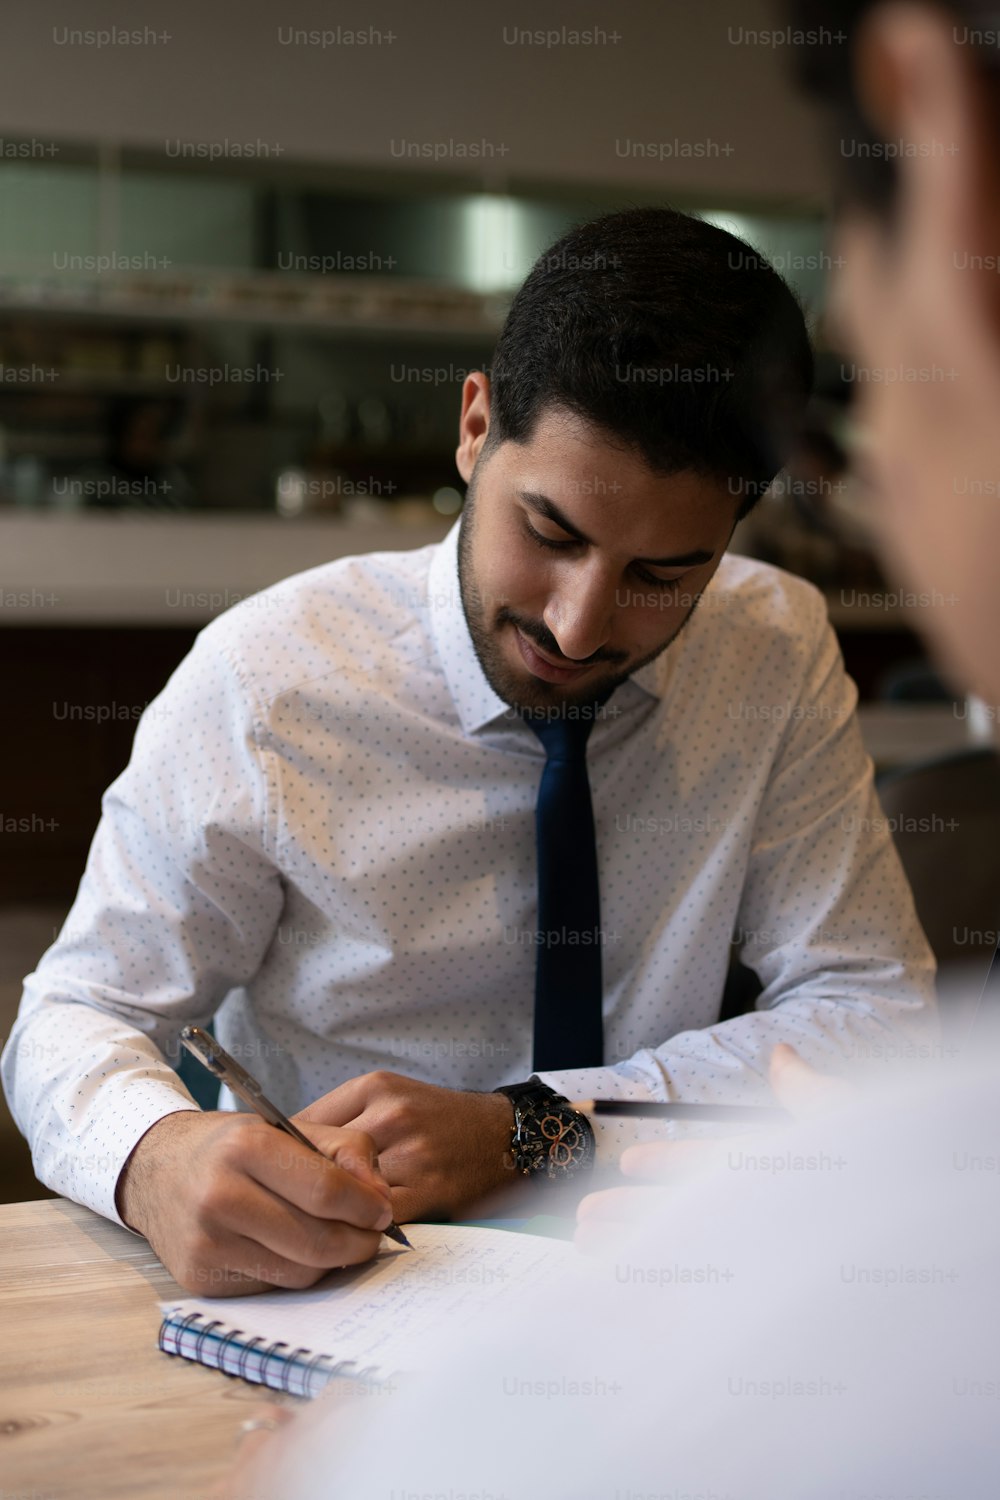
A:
665	585
546	541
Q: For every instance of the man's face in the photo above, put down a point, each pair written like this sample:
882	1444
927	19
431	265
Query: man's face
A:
577	563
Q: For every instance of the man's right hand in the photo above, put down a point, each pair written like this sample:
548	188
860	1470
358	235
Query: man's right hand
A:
231	1205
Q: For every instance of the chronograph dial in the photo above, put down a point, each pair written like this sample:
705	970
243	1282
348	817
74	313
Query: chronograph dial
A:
549	1137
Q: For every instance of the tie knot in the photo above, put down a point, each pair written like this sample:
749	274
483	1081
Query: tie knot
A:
564	739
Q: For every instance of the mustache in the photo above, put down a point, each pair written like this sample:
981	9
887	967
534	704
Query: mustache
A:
547	642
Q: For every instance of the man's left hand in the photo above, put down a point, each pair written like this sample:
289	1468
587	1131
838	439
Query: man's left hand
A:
439	1149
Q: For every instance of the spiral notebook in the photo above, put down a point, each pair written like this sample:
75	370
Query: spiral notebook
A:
364	1323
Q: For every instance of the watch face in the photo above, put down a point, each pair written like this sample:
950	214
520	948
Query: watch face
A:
566	1140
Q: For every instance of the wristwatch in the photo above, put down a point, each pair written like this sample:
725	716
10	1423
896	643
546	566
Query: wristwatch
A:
549	1136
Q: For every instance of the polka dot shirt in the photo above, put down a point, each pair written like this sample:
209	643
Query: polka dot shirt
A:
325	840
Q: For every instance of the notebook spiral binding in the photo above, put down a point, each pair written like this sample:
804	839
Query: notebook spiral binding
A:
300	1372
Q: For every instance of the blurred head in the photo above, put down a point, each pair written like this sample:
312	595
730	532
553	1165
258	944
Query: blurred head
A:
646	387
912	93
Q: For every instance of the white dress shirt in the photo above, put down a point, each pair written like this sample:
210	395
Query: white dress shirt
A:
325	839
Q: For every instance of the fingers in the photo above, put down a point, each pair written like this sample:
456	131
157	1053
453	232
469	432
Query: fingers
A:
344	1104
229	1264
273	1212
310	1181
400	1142
352	1150
289	1242
338	1107
236	1205
234	1259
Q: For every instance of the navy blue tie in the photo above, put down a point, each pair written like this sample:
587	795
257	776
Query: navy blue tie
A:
569	1028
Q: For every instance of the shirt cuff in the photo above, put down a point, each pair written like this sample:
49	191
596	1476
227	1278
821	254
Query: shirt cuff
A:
90	1174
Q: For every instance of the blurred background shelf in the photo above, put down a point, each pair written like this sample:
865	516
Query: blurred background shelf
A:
215	323
270	299
172	571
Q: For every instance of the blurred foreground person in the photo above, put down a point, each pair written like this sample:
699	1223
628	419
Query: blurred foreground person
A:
810	1313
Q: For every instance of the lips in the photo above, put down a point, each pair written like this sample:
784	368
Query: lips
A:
540	666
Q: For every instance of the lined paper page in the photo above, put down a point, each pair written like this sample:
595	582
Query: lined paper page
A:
381	1314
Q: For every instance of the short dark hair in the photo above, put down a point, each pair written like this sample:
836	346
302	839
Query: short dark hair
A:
672	335
824	68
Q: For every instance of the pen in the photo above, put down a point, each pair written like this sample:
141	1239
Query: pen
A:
218	1062
761	1114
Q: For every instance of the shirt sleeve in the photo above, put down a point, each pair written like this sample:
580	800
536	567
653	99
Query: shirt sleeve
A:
178	903
826	921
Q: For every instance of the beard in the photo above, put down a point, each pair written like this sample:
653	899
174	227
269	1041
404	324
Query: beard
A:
525	692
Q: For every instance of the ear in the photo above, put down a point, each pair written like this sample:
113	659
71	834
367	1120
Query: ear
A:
474	422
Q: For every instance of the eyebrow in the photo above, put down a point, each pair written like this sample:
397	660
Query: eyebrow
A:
546	507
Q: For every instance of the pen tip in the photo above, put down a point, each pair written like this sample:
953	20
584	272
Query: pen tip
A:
395	1233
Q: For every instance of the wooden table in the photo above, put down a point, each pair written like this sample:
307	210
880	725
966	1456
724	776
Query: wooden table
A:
90	1409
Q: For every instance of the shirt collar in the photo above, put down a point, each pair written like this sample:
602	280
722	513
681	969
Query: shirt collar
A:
475	701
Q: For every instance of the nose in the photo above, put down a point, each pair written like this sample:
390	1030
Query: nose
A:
580	611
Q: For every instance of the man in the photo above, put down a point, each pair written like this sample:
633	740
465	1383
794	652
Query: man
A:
326	834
